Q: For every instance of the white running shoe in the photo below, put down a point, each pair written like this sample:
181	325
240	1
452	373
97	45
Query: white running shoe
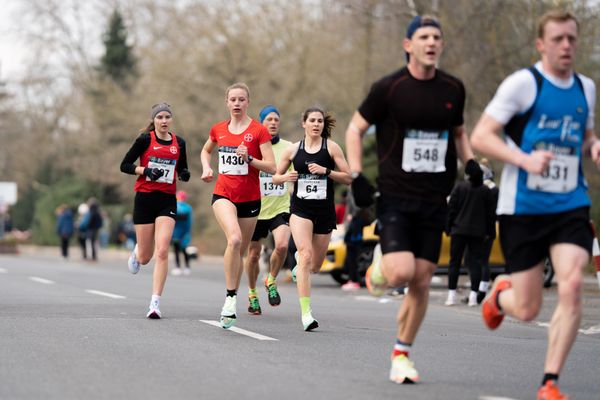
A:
403	370
451	300
133	263
187	271
374	279
473	299
228	312
176	272
154	311
309	322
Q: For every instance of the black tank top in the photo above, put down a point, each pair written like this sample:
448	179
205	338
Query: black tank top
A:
313	190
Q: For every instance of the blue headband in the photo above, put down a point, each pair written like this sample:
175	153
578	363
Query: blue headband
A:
420	22
266	111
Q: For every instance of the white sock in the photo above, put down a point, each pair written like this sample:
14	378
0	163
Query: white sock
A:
473	297
452	294
155	299
483	286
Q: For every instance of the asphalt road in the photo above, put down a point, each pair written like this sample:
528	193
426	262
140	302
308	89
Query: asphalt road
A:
75	330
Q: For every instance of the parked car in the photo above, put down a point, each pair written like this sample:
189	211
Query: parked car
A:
336	254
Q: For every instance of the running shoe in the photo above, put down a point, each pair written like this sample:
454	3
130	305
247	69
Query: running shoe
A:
492	316
550	391
274	298
376	282
154	311
228	312
350	286
187	271
309	322
133	263
472	300
176	271
254	307
451	300
403	370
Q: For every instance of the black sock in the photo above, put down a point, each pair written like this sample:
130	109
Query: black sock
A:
549	377
231	293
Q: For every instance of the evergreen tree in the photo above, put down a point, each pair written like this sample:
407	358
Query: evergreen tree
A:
118	62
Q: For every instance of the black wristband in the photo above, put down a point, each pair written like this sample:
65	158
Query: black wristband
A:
327	171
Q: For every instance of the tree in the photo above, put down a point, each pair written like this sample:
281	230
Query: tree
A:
118	62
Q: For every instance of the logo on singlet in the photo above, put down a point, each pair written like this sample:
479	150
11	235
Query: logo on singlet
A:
173	150
248	137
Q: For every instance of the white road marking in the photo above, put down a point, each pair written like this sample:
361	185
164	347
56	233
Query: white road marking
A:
3	271
106	294
41	280
495	398
253	335
593	330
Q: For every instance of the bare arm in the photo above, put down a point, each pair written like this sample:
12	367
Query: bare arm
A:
267	164
207	172
282	174
486	140
591	146
343	174
354	134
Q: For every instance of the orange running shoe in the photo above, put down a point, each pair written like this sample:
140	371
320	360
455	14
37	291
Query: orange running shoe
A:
550	391
492	316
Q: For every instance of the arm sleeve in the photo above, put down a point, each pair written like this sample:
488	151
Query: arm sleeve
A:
460	120
514	96
137	149
182	161
373	106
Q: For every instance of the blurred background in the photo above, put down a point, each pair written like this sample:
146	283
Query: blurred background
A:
78	78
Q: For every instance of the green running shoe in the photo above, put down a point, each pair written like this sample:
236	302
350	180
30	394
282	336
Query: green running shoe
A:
274	298
254	307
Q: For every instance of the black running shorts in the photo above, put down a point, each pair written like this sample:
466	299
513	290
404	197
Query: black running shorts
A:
245	209
264	226
526	239
411	225
150	205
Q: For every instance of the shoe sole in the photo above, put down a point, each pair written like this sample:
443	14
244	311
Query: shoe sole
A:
153	315
405	381
311	326
227	322
254	312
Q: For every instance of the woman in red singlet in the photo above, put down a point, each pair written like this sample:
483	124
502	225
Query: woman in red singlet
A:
162	158
244	149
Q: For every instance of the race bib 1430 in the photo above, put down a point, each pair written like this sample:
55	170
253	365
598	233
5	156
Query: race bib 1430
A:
230	163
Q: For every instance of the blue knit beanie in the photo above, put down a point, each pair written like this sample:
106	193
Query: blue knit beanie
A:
266	111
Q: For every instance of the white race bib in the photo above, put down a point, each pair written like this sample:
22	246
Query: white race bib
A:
562	173
268	188
424	151
166	165
230	163
312	187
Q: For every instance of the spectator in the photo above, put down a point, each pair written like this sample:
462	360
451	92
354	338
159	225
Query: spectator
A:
94	223
64	228
182	233
82	222
471	219
340	208
353	240
126	232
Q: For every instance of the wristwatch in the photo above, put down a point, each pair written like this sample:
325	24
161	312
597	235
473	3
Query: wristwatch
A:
250	158
354	175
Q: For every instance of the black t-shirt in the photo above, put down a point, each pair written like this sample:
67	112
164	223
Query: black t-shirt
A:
425	113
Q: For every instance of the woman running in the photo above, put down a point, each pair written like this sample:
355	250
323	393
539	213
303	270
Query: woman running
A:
162	158
318	162
244	148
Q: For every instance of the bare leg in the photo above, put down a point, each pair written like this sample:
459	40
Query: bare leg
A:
162	237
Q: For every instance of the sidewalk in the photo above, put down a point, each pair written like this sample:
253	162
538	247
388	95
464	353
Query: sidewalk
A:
108	253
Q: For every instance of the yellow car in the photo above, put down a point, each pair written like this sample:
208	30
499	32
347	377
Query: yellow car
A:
336	254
